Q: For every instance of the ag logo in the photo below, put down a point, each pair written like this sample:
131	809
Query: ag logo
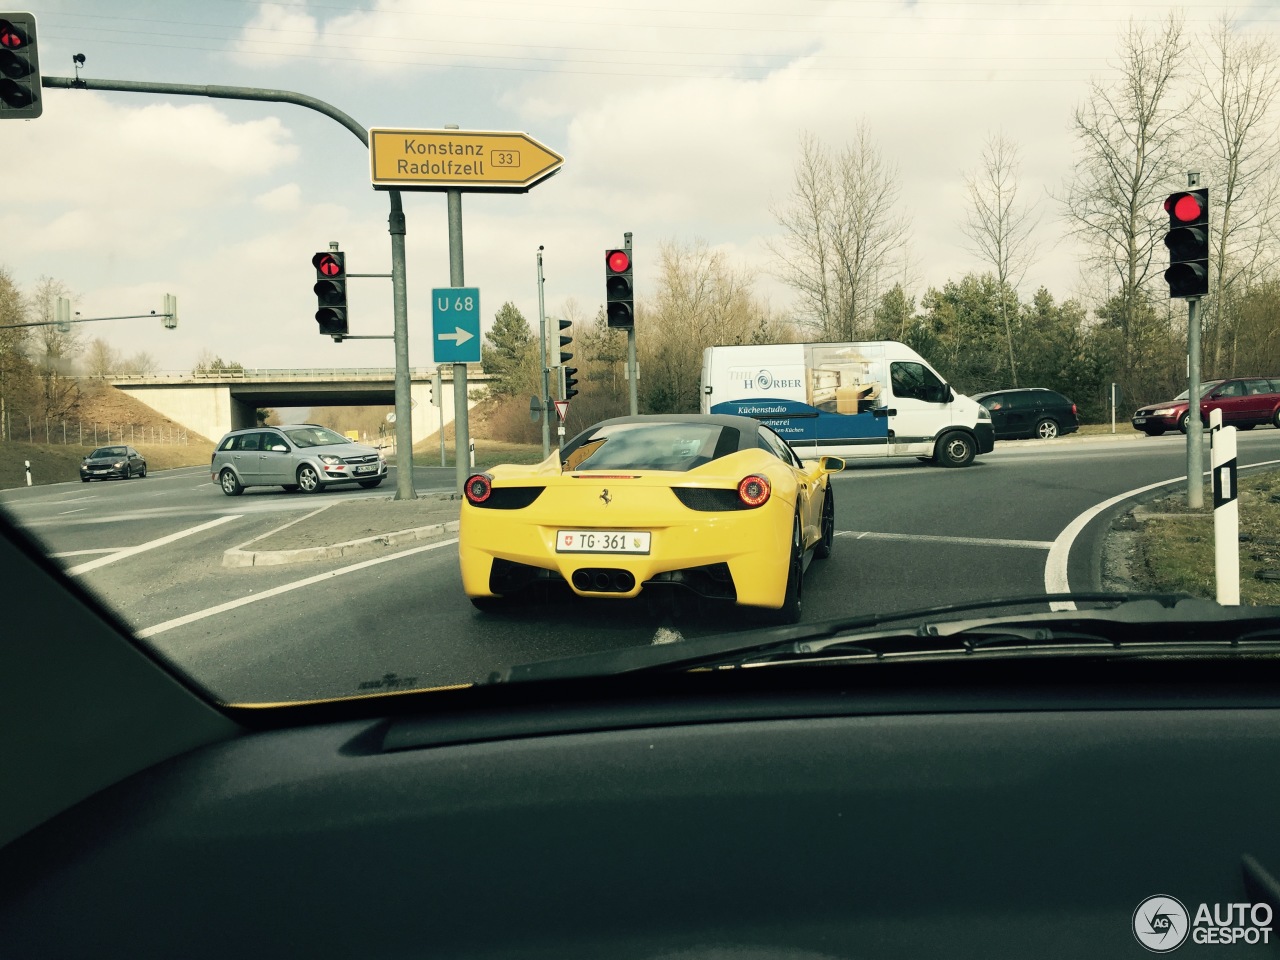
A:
1161	923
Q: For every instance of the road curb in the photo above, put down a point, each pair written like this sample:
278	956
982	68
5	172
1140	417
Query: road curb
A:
238	556
1091	438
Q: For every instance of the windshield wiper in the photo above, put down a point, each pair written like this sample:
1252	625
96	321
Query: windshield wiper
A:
1131	618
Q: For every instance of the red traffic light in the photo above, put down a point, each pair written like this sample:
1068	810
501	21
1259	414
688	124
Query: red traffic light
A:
11	38
1184	208
618	261
327	264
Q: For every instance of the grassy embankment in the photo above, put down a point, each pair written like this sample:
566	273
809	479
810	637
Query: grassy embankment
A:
1175	547
57	463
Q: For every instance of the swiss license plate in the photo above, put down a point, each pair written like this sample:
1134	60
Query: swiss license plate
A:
602	541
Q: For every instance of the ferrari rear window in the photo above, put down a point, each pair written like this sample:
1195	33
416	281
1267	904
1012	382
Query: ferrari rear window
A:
653	446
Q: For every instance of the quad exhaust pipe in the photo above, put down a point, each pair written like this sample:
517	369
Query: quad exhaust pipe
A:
603	580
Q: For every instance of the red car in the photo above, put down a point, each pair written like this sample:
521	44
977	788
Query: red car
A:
1244	402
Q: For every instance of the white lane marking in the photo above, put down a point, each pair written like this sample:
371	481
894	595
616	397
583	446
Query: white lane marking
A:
285	588
76	510
1055	566
149	545
81	553
931	538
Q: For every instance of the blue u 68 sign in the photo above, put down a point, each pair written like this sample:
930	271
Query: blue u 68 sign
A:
455	324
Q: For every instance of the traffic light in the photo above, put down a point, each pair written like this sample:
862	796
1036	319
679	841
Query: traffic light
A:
565	340
170	319
331	292
19	68
1188	243
620	298
570	381
62	315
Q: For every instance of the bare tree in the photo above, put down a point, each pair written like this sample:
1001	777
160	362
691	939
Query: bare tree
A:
140	362
101	360
56	351
701	300
1240	78
14	365
1128	145
998	227
843	234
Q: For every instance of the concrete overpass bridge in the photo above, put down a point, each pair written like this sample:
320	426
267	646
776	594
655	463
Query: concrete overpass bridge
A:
213	403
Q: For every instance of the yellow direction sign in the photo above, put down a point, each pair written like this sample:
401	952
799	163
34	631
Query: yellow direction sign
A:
496	161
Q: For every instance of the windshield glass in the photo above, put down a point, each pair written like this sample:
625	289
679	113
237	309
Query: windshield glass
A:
1206	387
695	355
314	436
645	446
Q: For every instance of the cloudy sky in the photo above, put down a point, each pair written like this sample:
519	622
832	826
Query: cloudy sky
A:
677	121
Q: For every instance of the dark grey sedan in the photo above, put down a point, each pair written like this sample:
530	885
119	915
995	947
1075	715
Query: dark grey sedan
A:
107	462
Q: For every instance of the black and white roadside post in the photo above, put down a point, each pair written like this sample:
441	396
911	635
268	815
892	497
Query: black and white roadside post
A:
28	463
1226	510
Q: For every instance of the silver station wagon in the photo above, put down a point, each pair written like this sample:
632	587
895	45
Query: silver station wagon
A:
300	456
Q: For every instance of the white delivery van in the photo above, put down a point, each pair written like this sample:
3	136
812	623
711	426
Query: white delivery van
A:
873	399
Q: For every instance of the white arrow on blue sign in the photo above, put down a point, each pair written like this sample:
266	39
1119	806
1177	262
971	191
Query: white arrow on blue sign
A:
455	324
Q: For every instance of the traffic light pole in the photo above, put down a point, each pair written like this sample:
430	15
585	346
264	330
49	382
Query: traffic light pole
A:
546	378
396	227
1195	431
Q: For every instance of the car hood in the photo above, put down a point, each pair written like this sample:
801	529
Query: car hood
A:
341	450
1162	404
114	459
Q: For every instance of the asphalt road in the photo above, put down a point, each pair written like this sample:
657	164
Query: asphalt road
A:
909	536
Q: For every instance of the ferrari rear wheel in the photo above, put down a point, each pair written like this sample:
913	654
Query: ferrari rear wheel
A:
822	549
792	603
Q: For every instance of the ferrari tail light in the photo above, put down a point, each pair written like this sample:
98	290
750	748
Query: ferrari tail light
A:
753	490
478	487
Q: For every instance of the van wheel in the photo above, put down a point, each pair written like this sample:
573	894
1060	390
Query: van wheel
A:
822	549
230	483
1047	429
955	450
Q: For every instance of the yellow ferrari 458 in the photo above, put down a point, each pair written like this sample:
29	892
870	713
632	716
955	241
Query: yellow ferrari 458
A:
719	505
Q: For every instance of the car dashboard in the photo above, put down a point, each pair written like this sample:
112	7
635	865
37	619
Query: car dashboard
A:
875	810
